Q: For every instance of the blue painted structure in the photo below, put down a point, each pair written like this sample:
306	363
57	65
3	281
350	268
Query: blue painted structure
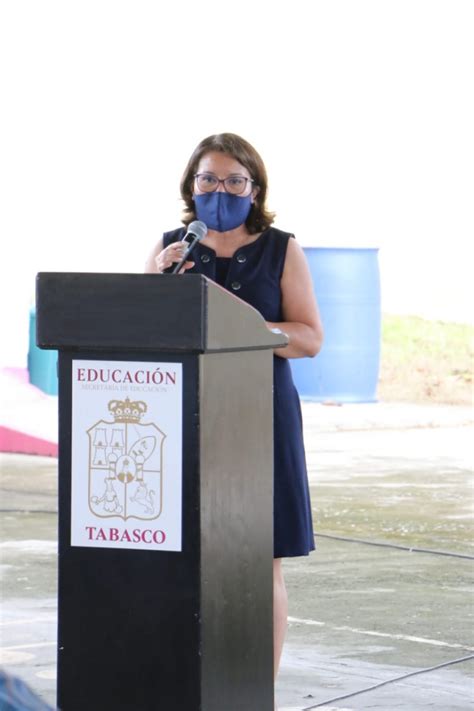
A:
42	365
347	287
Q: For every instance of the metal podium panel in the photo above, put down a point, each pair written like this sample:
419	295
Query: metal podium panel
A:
236	442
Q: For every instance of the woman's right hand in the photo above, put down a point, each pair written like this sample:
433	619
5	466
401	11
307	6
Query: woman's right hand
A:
172	255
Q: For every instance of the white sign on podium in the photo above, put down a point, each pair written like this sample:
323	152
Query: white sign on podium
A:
126	466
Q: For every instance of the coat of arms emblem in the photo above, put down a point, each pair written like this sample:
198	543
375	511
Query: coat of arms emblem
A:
125	464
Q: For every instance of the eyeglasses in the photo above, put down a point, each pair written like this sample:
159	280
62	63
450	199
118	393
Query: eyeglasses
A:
234	184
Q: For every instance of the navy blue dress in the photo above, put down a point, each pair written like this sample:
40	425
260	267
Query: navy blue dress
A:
254	274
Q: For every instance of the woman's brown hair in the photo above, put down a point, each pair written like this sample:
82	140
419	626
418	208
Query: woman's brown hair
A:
259	217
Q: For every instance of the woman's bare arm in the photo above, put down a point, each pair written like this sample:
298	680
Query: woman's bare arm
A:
150	264
302	322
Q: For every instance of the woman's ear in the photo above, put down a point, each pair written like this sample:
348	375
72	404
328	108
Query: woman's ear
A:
255	192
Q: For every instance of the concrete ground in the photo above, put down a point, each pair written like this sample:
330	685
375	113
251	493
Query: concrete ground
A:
381	615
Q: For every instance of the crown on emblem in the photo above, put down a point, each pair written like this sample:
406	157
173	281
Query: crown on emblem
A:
127	410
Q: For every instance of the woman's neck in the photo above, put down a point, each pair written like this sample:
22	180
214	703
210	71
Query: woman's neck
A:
226	243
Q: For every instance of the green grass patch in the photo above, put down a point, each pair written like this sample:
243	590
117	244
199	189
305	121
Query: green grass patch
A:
426	361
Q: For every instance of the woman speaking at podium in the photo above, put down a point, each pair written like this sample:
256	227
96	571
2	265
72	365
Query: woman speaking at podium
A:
224	185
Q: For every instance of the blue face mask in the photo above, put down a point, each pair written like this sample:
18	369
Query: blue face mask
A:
222	211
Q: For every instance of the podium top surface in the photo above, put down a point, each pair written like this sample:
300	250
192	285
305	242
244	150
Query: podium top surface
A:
145	312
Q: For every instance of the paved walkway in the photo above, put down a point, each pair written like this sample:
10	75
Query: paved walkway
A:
374	622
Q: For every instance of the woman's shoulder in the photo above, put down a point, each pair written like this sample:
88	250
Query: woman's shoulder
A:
277	234
277	240
274	248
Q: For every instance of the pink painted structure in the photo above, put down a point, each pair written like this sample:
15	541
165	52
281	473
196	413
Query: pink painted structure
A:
28	417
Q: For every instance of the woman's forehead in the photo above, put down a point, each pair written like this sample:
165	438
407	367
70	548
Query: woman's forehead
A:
221	164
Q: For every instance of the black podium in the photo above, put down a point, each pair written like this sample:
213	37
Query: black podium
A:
165	493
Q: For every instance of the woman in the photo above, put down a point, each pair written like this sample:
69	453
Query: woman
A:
225	186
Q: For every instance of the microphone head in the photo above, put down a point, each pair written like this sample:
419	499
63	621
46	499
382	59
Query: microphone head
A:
198	229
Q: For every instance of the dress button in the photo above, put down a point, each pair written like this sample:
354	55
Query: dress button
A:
236	285
205	258
241	258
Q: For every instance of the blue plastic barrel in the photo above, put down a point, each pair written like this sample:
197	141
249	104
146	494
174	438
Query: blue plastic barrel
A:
347	287
42	365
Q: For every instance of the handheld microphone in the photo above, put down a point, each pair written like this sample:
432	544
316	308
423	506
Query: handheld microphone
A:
196	231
